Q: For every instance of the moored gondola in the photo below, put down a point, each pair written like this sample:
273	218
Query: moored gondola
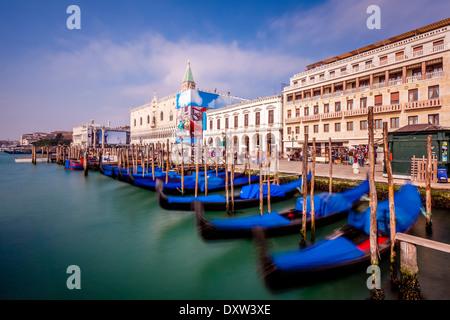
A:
248	197
328	209
346	250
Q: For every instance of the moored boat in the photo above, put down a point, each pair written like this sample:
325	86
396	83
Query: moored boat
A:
343	251
248	197
328	208
28	159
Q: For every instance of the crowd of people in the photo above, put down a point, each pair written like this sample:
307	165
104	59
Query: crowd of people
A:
359	155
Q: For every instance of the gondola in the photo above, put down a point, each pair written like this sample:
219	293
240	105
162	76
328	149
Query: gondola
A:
344	251
248	197
328	208
173	187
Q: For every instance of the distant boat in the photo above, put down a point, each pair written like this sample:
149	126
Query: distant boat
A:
28	159
343	251
76	165
17	151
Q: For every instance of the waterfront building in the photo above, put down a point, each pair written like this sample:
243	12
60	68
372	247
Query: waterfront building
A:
252	126
405	78
177	117
28	138
96	135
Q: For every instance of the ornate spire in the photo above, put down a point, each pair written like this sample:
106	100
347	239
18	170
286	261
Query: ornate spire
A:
188	81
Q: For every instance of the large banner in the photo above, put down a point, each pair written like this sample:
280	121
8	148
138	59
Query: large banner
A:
191	105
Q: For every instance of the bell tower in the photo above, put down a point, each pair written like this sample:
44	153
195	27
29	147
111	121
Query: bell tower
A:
188	81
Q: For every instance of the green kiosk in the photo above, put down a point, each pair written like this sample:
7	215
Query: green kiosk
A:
411	140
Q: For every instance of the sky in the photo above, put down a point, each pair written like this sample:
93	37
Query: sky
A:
55	78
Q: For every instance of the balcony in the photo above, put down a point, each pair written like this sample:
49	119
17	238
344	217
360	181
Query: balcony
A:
388	108
331	115
355	112
292	120
378	85
395	82
423	104
314	117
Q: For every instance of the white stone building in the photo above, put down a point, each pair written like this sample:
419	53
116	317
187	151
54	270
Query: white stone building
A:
249	126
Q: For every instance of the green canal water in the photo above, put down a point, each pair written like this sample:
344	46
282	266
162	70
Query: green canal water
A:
127	247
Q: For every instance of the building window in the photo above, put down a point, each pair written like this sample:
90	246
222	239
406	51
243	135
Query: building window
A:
363	103
271	117
350	126
210	124
140	122
378	124
316	128
332	74
246	120
395	97
355	67
383	60
394	122
433	118
413	119
148	119
438	45
399	56
162	116
368	64
135	122
289	114
316	109
363	125
171	116
218	124
337	106
337	127
417	51
326	108
433	92
306	129
236	121
413	95
326	127
297	112
378	100
306	111
226	123
257	118
349	104
289	130
297	130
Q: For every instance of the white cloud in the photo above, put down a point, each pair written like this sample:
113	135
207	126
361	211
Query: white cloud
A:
103	79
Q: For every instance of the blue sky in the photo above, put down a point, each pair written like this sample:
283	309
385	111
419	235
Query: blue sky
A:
53	78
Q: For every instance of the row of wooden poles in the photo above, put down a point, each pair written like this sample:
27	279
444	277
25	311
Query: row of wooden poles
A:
159	154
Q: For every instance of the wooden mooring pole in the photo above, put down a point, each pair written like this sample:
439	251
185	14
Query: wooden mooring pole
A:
387	163
304	189
330	160
428	185
206	166
375	294
313	172
85	163
409	288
